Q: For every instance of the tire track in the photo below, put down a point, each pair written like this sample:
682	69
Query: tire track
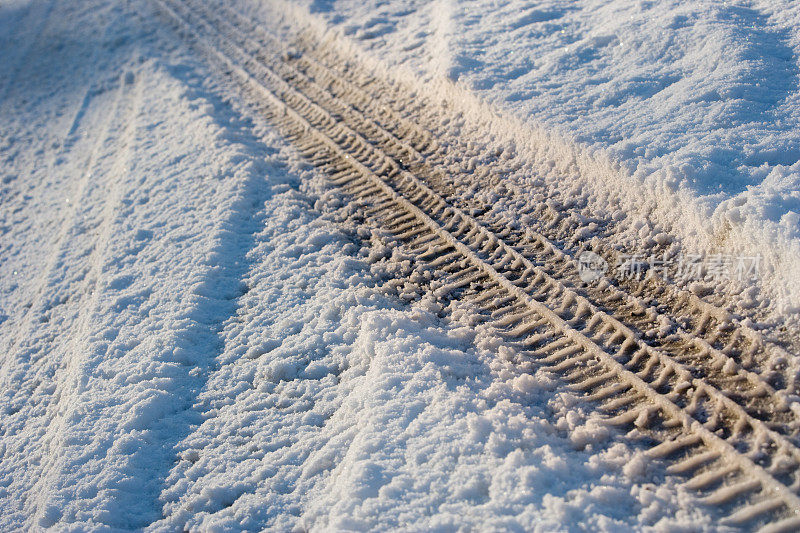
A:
697	424
757	395
61	247
64	400
38	368
700	331
690	314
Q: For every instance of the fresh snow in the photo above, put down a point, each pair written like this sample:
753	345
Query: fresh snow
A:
192	338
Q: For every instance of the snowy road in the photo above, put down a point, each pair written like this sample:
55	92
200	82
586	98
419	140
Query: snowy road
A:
201	330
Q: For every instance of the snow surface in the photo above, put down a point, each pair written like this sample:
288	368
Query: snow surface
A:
189	339
685	112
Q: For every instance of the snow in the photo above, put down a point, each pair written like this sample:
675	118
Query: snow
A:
191	338
683	115
368	416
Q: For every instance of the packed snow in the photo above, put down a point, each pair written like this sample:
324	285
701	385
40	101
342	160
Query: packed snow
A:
193	338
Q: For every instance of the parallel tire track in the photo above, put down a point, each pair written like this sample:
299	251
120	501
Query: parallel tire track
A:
711	431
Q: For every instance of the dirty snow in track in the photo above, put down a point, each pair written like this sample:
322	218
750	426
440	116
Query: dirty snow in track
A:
696	105
189	339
